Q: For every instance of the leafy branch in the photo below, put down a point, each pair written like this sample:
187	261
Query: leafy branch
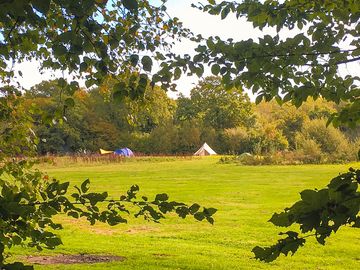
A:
29	201
12	29
322	212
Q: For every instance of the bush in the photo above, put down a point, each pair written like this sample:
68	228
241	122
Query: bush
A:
262	139
308	150
316	138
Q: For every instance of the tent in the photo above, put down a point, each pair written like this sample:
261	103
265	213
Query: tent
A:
105	152
205	150
126	152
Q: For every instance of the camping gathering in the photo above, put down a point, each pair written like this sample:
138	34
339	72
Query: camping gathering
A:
163	134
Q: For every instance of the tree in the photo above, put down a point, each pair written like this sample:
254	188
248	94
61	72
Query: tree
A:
330	140
290	119
217	107
97	119
162	139
188	135
185	110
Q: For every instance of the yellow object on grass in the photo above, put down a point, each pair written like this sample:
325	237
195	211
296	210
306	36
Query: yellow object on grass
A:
105	152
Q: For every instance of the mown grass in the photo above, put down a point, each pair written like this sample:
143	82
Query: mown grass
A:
245	197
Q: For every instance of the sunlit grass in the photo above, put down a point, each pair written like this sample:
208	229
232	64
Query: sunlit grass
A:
245	197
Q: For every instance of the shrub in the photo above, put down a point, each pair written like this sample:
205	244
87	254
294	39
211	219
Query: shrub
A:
309	151
262	139
332	143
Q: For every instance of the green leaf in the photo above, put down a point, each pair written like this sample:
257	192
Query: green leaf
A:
143	81
199	216
134	188
89	83
59	50
210	211
177	73
281	220
147	63
120	86
210	220
16	240
41	5
199	71
83	66
267	254
18	266
194	208
225	12
62	82
73	87
134	59
315	199
73	214
85	186
69	102
62	189
53	242
210	43
131	5
258	99
120	91
161	197
215	69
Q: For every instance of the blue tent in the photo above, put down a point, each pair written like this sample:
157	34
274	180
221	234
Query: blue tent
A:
126	152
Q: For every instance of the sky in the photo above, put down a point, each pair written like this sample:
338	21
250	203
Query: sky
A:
199	22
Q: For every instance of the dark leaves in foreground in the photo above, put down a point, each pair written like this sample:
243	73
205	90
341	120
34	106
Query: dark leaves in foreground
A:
318	214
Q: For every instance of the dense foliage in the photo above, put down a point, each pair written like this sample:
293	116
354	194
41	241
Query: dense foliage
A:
226	119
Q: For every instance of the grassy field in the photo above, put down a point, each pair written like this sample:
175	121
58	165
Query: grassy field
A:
245	197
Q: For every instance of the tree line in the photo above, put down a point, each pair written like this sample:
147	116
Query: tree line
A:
157	124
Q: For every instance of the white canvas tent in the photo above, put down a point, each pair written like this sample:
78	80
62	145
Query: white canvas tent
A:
205	150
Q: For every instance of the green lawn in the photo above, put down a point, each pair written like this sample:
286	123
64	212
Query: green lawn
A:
245	197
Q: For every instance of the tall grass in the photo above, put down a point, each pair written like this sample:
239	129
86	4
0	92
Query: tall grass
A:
106	159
